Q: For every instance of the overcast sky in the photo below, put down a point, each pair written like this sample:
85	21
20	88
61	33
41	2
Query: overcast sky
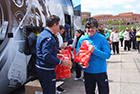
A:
114	7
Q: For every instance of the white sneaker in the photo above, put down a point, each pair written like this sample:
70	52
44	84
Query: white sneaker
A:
75	79
83	80
58	92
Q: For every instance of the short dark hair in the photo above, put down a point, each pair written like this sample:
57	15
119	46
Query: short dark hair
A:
62	27
80	31
100	25
91	20
28	29
50	21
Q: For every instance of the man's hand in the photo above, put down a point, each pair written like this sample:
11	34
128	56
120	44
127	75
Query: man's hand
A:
67	63
91	48
83	66
58	55
62	46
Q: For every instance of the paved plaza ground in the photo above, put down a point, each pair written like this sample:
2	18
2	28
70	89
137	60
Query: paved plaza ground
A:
123	73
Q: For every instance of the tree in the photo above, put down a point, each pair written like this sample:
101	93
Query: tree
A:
123	21
109	21
83	21
115	23
120	22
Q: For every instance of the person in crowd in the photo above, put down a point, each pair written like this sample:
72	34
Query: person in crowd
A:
131	37
109	42
134	38
59	36
138	40
60	46
63	33
31	50
107	35
96	71
37	33
121	37
114	37
126	39
66	36
46	51
79	33
100	30
31	39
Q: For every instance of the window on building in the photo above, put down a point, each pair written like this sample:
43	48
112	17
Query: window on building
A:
133	18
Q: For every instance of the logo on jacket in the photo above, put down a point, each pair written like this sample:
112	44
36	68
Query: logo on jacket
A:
49	39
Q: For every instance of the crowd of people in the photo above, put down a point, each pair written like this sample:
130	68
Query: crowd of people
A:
128	38
55	38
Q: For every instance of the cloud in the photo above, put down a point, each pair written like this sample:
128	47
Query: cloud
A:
138	6
128	6
107	4
133	10
95	4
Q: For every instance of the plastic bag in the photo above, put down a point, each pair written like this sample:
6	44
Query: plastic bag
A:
63	71
84	54
68	48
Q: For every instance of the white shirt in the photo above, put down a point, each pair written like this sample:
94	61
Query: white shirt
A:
126	35
74	43
60	39
114	37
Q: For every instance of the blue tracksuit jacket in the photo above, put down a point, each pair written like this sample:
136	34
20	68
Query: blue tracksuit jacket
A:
46	50
97	61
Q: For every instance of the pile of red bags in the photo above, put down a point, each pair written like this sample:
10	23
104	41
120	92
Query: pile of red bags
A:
84	54
63	71
69	49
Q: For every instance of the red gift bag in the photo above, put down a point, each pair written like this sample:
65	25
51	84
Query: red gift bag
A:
68	48
84	54
63	71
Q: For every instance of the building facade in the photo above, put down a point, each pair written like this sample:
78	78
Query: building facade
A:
85	15
125	18
77	10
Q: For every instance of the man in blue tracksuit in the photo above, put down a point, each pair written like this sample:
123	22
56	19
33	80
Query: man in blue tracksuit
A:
46	51
96	71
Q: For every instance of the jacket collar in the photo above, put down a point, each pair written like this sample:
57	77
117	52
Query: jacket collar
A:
47	29
94	36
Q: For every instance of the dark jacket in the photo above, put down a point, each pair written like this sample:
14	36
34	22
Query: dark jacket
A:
101	32
134	35
68	37
46	50
32	43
